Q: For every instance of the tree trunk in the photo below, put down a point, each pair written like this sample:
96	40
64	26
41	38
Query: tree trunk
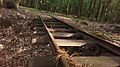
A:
101	14
29	3
37	4
1	3
104	8
68	8
11	4
117	12
98	10
91	11
17	2
80	8
90	7
54	6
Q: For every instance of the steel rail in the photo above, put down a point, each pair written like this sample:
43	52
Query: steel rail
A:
54	47
112	47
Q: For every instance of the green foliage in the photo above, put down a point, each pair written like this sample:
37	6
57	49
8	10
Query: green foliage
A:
86	6
74	4
95	9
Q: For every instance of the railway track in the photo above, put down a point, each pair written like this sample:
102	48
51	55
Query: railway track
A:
65	39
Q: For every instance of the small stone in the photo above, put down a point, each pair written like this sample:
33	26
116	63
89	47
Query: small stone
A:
1	46
34	40
34	32
1	15
18	14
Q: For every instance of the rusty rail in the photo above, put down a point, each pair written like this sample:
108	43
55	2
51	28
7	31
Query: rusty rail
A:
54	47
112	47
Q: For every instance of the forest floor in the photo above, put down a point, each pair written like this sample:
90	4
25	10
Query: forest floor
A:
16	36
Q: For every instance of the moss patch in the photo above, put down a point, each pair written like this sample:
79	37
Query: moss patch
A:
98	34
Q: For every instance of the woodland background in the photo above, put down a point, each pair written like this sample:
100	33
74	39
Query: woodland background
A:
106	10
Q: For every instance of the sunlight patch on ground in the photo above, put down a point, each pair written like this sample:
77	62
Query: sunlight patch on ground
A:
64	17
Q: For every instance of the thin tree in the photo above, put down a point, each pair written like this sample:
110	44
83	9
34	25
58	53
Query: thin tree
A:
98	10
91	11
104	8
1	3
80	8
90	7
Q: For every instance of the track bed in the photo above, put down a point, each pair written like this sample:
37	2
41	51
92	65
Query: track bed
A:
81	46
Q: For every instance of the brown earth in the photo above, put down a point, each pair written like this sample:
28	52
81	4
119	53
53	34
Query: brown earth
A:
16	37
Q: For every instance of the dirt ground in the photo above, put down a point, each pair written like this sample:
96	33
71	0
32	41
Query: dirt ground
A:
16	37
